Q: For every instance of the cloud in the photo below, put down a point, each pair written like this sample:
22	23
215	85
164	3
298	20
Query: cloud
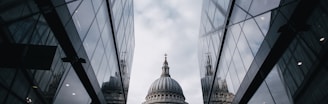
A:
166	26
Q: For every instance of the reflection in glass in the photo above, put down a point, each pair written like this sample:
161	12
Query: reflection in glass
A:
113	90
277	87
244	4
83	17
72	5
272	90
91	40
262	96
263	21
253	35
75	93
238	15
260	6
245	52
220	92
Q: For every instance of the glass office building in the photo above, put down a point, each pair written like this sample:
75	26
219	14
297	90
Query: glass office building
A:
267	51
65	51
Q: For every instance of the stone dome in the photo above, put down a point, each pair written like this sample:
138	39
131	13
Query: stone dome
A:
165	84
165	90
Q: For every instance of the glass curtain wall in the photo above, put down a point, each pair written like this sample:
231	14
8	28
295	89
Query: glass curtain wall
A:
237	49
101	32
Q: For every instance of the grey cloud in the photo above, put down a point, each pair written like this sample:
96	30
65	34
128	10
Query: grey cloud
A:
166	26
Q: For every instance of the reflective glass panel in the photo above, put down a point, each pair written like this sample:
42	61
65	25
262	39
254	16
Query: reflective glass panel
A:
260	6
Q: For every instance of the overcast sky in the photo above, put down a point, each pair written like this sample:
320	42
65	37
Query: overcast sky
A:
172	27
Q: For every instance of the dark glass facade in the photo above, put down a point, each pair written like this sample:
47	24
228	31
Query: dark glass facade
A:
94	46
267	51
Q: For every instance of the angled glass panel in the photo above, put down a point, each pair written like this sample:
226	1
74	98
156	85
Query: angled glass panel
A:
102	71
223	69
218	20
96	4
253	35
230	43
244	4
234	78
235	30
262	96
230	84
277	87
83	18
213	46
91	39
227	56
97	57
240	69
237	15
263	22
72	91
222	6
245	51
102	17
260	6
290	81
211	12
7	76
20	85
72	5
297	73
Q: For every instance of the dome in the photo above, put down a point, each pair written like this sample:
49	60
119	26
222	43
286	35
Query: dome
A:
219	93
165	90
165	84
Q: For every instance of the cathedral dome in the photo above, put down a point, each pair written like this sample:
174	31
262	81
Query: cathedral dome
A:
165	84
165	90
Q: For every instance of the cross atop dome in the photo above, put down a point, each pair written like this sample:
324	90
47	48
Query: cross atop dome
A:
165	68
165	62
